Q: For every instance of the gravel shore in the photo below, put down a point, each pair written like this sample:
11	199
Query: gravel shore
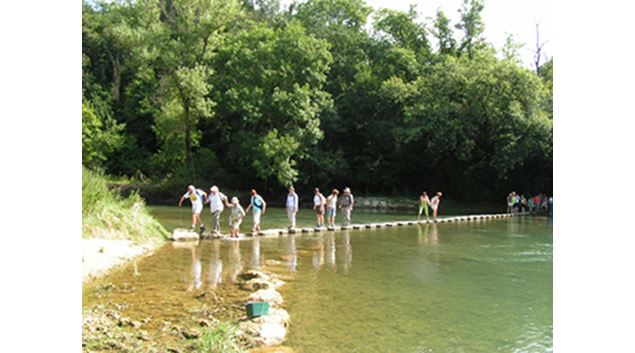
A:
101	255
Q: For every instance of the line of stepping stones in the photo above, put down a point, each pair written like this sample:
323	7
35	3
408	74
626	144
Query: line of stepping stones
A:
468	218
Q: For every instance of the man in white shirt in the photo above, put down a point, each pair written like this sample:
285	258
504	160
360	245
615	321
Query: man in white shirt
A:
216	200
197	197
347	201
292	206
319	203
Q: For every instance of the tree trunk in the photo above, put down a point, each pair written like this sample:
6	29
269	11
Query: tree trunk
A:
188	142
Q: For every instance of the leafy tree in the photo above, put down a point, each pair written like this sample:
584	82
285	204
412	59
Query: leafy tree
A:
472	25
100	137
444	35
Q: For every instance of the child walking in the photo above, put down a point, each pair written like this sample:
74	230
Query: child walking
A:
236	216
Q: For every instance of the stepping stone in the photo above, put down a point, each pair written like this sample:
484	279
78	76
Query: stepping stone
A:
307	230
368	226
345	227
400	223
357	226
330	229
390	224
318	229
411	223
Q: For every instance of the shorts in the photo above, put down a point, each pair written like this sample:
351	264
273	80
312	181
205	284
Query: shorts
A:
197	208
319	211
236	223
331	212
257	214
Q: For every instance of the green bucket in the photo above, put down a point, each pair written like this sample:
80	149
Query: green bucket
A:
255	309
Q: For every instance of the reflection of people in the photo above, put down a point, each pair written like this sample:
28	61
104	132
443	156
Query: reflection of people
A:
216	200
319	204
318	254
433	239
196	282
348	251
255	252
434	204
197	197
292	206
293	254
215	266
234	262
424	201
259	208
330	248
347	202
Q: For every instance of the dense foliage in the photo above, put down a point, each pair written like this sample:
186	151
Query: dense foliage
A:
324	92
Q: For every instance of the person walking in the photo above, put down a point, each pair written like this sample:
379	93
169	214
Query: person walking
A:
216	200
319	204
292	206
347	201
259	208
196	197
236	217
331	207
511	198
434	204
424	203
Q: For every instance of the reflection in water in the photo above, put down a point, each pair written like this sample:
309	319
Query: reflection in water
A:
318	253
348	251
234	265
195	282
292	254
422	234
433	238
330	250
214	277
255	253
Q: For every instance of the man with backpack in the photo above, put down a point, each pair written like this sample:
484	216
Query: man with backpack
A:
197	198
347	201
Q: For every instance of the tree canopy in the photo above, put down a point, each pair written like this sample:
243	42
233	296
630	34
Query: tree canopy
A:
324	92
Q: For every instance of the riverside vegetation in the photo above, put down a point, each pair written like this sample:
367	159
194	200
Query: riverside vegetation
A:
248	94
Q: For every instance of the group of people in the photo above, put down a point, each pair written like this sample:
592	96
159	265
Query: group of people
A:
218	201
520	203
425	202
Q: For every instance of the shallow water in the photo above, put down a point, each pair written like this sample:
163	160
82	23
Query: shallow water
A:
483	286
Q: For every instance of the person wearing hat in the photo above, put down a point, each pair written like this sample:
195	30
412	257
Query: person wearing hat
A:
319	203
434	205
347	201
236	216
331	207
216	200
197	197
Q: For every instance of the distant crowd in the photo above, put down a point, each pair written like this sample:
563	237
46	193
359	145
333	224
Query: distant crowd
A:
526	203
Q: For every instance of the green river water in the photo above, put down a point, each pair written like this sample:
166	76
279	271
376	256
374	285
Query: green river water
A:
482	286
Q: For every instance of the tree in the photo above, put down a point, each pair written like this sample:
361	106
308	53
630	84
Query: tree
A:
472	25
511	49
101	136
401	29
444	35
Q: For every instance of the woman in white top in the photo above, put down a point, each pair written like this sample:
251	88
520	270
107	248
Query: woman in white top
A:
319	203
292	206
331	207
216	199
434	205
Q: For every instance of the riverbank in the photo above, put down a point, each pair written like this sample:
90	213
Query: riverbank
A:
99	256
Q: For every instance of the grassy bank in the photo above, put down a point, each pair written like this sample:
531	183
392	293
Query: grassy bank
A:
108	215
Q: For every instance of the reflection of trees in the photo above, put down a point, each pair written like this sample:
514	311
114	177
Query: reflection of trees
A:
214	277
